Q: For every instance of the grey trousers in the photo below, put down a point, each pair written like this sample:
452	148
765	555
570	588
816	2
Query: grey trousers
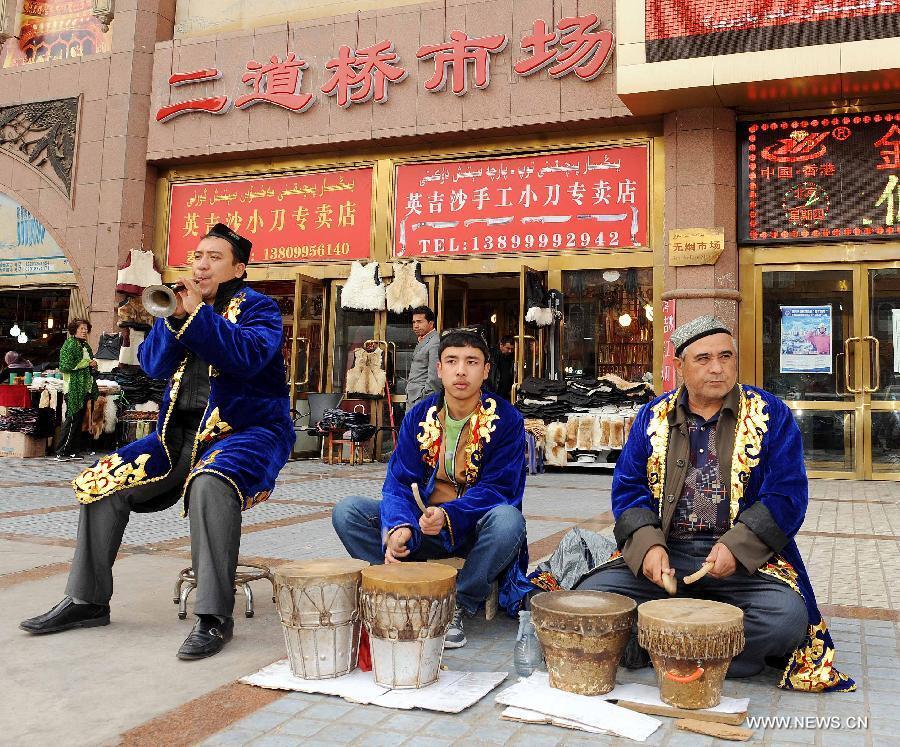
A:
775	617
215	523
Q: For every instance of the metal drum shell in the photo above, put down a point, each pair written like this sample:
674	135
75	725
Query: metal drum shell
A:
318	605
583	635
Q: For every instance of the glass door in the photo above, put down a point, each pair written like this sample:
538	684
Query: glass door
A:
880	353
530	338
809	354
307	338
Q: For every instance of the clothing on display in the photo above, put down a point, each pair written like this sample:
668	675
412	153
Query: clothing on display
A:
407	290
109	346
363	290
128	353
132	314
137	387
138	272
367	375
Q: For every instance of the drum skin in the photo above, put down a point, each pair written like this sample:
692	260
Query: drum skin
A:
318	604
406	608
691	643
583	635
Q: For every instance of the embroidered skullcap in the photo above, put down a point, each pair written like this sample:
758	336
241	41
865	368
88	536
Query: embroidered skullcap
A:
241	245
702	326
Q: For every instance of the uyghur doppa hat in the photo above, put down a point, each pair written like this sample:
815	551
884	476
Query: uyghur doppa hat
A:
697	329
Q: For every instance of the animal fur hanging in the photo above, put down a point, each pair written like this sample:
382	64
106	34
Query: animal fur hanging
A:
540	317
364	290
406	291
367	375
571	431
585	433
110	414
555	453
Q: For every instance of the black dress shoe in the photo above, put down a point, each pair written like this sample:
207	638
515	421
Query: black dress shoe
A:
208	637
67	615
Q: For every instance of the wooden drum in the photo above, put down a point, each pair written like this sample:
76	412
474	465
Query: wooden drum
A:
691	643
318	603
406	608
583	634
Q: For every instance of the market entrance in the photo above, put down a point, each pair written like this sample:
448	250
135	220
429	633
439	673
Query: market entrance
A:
828	343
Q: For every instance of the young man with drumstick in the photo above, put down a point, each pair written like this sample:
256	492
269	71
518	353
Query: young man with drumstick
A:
454	487
708	495
224	433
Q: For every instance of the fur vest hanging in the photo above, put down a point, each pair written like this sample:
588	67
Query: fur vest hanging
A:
406	291
367	375
364	290
137	273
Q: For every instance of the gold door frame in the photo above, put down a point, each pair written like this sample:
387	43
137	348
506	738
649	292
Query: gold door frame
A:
858	260
295	338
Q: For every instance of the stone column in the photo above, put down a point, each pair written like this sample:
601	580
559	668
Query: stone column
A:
701	192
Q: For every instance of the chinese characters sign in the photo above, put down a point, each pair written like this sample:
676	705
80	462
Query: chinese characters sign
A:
669	381
678	29
313	217
592	199
577	45
833	178
695	246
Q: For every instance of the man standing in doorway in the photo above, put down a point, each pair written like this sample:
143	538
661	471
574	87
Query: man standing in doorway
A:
423	376
503	370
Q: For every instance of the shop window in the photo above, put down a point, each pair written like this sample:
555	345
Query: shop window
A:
55	30
351	329
282	292
608	323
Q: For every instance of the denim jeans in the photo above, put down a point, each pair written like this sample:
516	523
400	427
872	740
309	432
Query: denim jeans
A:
488	550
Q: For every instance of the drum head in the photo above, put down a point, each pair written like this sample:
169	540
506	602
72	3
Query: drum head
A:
417	578
583	603
316	570
688	614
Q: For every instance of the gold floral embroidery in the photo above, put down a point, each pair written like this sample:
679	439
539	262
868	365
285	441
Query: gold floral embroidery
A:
261	496
233	309
658	431
214	428
752	423
782	571
811	668
110	474
481	426
206	461
430	437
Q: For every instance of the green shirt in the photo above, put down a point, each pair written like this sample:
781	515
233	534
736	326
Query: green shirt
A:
452	430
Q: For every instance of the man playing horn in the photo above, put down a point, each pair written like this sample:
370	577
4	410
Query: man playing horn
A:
712	477
224	433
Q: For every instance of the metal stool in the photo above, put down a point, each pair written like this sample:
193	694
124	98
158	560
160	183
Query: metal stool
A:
246	573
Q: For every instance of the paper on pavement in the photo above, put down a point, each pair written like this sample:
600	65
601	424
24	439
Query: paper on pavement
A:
532	717
452	693
535	694
649	695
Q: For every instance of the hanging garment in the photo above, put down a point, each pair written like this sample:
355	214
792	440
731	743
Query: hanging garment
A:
133	315
367	375
364	290
128	353
137	273
110	414
571	431
555	453
406	291
584	440
108	348
537	303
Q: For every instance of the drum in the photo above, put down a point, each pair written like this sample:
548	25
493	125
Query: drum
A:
583	634
318	603
406	608
691	643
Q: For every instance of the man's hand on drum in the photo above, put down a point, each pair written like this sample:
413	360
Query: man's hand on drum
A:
395	547
723	561
656	564
432	521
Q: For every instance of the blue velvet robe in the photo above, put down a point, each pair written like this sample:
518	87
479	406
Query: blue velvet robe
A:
495	475
767	467
246	434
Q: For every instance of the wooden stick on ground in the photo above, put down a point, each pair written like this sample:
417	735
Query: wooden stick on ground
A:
713	729
696	576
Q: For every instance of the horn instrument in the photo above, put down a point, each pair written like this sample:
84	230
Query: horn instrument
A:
161	300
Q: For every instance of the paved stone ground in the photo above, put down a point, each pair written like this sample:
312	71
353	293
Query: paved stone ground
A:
849	541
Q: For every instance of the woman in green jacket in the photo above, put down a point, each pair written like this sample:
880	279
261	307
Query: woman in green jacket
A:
76	361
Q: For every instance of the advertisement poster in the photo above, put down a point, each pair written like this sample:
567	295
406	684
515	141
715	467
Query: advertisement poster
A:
806	339
27	250
591	199
313	217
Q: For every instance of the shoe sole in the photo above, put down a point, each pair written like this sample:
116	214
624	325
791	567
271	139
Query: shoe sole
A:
95	623
194	657
455	644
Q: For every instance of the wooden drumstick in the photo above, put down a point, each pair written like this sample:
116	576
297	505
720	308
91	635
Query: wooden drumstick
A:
696	576
418	497
669	584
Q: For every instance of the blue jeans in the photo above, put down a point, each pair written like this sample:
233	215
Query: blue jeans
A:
488	550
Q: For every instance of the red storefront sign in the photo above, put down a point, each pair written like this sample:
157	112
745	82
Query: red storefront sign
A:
590	199
316	217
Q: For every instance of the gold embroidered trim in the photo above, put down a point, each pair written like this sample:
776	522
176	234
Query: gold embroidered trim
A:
187	322
108	475
481	426
449	527
752	423
233	310
430	437
215	428
658	432
811	668
170	327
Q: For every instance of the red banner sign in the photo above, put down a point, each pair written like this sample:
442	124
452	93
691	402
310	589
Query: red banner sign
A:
590	199
315	217
669	381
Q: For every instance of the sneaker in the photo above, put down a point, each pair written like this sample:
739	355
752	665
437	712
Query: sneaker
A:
455	636
61	458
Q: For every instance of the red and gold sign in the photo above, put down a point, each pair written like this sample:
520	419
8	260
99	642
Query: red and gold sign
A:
588	199
313	217
56	30
832	177
678	29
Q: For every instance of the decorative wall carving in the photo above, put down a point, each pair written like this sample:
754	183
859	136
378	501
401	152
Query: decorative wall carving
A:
42	134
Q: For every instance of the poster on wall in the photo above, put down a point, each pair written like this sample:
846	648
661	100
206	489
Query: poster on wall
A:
679	29
28	253
806	339
54	31
319	216
576	200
